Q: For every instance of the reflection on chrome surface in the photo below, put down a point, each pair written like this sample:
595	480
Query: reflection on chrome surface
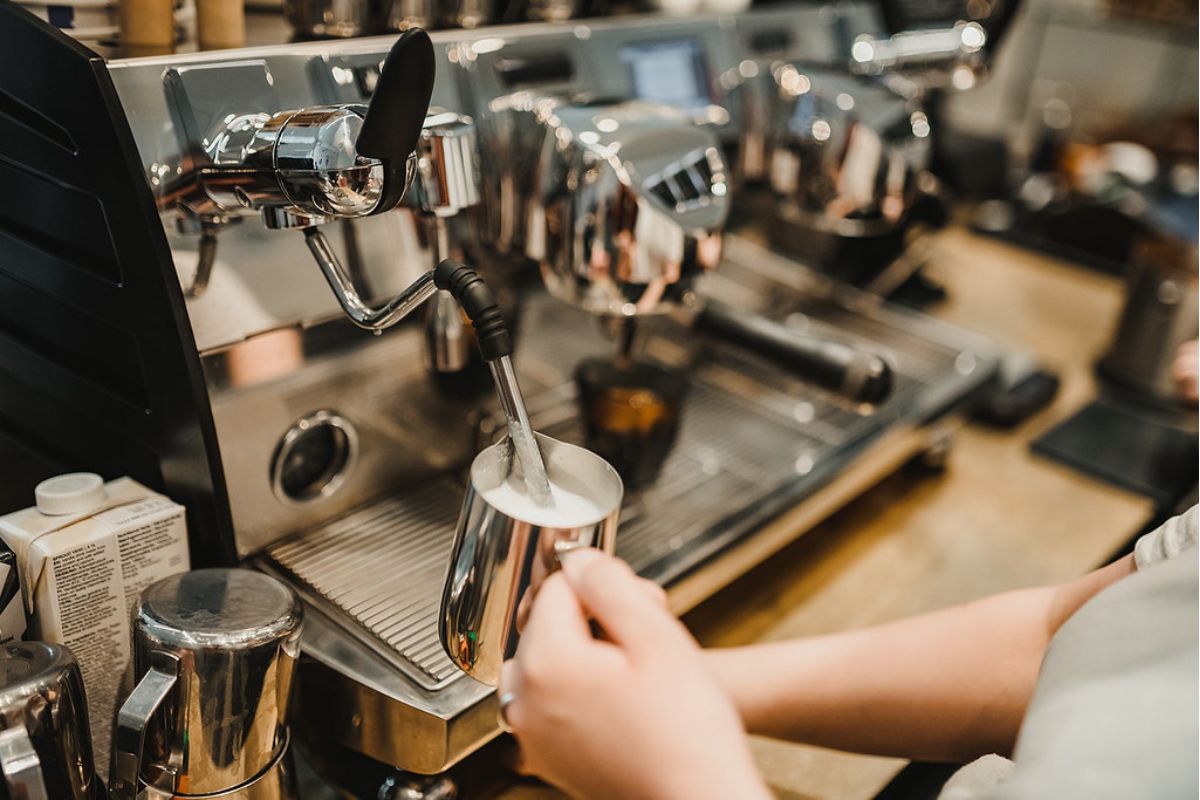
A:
624	207
842	152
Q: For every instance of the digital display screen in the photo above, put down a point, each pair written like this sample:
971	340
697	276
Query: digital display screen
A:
671	72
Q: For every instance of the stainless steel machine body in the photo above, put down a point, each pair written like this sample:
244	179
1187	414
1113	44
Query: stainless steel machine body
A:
840	148
625	203
340	455
844	162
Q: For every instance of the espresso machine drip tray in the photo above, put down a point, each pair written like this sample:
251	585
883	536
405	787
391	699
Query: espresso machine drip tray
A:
381	569
754	442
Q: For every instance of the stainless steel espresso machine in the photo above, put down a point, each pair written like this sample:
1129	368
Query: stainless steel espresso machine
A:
210	358
841	148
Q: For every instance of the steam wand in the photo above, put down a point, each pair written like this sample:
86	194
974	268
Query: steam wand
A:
362	315
491	333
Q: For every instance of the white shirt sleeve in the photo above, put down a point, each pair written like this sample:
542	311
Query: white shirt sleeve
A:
1168	540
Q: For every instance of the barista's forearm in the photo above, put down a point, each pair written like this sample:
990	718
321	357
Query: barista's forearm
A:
950	685
945	686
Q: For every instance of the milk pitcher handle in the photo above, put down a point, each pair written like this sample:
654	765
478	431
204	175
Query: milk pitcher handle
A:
129	738
21	766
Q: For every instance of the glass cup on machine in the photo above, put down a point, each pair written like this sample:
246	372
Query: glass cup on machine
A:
630	412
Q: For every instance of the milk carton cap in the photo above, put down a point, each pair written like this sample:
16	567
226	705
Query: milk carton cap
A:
73	493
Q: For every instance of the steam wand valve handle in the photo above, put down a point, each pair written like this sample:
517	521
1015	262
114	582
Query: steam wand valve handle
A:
395	116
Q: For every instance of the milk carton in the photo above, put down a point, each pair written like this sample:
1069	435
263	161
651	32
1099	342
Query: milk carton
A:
84	553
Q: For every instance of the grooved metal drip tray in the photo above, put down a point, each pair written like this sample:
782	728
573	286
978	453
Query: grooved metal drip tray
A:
754	441
382	568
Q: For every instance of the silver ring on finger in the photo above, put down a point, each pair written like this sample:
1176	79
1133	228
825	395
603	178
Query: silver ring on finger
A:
506	700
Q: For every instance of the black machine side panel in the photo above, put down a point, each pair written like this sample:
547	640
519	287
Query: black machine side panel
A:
98	368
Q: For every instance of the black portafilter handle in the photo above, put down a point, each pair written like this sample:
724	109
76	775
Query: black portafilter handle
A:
479	302
854	373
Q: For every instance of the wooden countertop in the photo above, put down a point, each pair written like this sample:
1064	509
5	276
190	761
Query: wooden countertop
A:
997	518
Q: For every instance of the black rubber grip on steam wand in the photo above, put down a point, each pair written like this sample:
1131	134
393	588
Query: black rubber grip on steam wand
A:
855	373
477	299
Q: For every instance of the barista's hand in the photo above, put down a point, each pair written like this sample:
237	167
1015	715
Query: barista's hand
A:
653	592
1186	372
634	715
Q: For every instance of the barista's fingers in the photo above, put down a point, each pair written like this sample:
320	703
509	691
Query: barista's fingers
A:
508	690
556	620
523	610
617	600
510	678
654	593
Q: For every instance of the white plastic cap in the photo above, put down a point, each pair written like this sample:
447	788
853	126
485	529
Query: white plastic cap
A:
73	493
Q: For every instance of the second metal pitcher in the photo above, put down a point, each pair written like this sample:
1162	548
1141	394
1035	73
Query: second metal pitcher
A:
45	741
502	552
215	651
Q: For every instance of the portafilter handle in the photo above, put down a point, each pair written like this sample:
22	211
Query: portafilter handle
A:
395	117
854	373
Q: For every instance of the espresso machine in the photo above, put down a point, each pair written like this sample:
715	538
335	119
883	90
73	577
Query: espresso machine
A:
204	353
842	147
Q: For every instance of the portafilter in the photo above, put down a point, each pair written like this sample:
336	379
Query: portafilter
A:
301	168
214	655
45	741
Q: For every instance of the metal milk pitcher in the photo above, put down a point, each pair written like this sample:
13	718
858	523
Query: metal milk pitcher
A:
214	651
45	741
500	559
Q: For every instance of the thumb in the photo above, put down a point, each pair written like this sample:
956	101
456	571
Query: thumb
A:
555	617
616	598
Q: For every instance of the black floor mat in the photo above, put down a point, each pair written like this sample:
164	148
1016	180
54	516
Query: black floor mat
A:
1126	447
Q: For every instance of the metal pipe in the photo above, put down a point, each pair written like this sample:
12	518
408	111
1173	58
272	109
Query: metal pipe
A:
207	253
509	392
358	311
